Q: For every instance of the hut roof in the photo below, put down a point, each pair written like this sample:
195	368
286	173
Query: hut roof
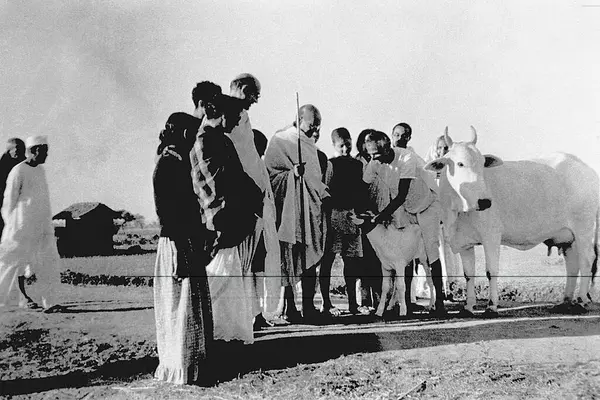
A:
78	210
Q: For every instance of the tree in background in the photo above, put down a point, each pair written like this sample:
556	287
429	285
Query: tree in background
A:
131	220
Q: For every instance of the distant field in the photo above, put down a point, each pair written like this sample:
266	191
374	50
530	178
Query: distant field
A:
134	265
524	275
513	264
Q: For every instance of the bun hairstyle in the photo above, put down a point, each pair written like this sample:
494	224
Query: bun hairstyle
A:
180	131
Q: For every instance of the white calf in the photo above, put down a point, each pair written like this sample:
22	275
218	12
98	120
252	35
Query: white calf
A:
395	249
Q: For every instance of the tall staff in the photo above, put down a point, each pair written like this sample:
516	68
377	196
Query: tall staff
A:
300	163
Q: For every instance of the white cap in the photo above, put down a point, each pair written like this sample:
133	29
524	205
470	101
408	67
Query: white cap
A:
36	141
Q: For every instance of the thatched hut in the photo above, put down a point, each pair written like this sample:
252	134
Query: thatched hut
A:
85	229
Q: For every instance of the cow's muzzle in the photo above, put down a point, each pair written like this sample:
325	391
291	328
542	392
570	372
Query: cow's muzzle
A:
483	204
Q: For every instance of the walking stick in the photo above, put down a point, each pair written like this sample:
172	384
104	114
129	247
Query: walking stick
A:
302	211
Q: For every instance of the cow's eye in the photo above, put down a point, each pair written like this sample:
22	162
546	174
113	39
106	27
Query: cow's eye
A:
460	164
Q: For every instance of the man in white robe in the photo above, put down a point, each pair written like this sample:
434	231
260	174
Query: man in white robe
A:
263	285
28	244
299	253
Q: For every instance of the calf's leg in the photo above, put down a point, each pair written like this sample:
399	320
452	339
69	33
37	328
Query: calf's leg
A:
400	292
385	289
433	294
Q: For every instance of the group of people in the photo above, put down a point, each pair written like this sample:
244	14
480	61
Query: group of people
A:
27	245
247	224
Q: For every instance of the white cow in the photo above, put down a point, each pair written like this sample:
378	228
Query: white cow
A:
520	204
395	248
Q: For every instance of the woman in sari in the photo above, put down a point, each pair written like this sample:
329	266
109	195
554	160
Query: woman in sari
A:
184	326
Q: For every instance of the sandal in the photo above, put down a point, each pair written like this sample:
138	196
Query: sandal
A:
333	312
57	308
29	305
364	310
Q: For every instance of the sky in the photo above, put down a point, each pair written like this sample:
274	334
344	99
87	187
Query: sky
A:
100	78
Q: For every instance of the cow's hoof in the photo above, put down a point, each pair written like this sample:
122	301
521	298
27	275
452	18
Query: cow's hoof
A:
489	313
464	313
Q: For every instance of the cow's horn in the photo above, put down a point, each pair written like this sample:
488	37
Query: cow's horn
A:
473	135
447	138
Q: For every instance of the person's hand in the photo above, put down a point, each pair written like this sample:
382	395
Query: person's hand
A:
386	156
383	218
169	151
355	220
299	170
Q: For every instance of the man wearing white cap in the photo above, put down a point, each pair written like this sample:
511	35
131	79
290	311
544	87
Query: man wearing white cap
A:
28	245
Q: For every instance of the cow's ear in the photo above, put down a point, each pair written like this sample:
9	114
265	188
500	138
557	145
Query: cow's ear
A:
436	165
492	161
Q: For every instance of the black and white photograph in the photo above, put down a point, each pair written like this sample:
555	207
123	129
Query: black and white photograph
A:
252	199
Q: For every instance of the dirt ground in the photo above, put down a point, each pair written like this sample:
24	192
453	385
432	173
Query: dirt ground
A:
104	347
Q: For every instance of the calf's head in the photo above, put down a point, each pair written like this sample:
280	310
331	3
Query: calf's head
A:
462	170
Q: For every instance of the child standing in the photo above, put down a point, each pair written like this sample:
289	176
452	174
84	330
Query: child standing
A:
348	195
371	277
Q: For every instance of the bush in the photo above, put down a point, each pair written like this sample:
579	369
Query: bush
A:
78	278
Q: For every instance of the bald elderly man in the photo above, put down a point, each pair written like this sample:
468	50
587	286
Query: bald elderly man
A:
262	279
281	159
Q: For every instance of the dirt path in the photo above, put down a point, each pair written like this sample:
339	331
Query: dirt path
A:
105	349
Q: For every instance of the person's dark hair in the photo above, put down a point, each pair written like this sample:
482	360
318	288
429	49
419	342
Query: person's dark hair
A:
378	136
260	141
382	140
340	134
360	141
16	141
406	127
205	91
180	131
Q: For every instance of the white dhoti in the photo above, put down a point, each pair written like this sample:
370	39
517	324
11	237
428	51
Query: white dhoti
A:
262	287
231	305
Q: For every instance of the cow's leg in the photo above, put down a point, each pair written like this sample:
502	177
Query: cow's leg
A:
586	255
453	269
385	289
572	265
492	262
468	260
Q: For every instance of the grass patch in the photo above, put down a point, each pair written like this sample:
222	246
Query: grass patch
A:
133	265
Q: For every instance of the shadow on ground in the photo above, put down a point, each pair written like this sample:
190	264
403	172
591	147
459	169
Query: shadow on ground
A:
278	348
70	310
